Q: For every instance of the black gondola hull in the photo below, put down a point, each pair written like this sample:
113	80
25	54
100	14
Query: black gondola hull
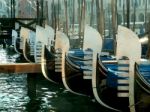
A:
76	82
49	67
142	93
108	94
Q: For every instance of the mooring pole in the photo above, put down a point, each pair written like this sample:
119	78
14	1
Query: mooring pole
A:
14	11
41	11
37	13
114	22
11	3
32	77
31	85
128	13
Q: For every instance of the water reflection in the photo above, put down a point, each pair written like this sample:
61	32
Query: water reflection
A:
54	98
49	98
13	92
7	56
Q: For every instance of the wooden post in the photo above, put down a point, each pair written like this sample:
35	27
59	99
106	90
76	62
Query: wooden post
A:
13	9
82	24
31	85
73	20
37	12
52	15
91	20
114	22
46	13
128	13
66	15
41	11
102	22
58	14
146	16
79	16
148	45
134	19
124	16
100	17
55	21
80	21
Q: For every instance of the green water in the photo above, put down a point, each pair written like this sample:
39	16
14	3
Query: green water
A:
50	97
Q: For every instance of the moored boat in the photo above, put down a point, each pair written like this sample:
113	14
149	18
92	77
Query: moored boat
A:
28	38
79	63
49	52
43	54
142	87
16	42
114	89
53	57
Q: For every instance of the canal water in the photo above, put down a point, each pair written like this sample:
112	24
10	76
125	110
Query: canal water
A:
50	97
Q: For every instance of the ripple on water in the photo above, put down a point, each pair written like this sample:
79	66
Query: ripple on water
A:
13	93
49	98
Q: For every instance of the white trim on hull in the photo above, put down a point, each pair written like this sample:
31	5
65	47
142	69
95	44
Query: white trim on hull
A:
44	38
94	43
133	52
24	34
125	47
97	52
44	67
15	47
24	50
61	42
14	40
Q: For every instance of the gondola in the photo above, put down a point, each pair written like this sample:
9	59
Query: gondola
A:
114	89
52	52
42	42
28	38
43	54
78	66
142	87
16	42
